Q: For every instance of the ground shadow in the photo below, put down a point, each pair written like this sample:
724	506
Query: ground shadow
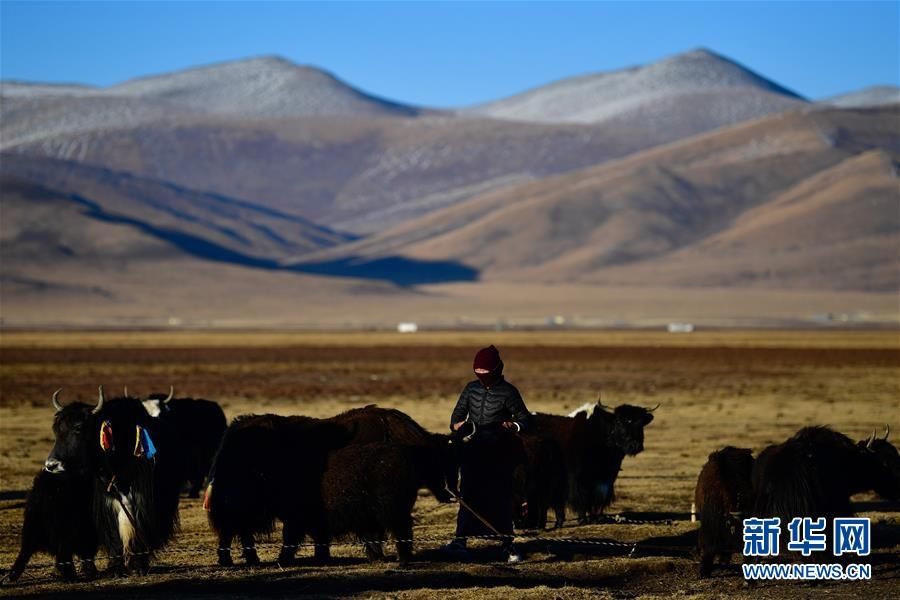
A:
399	270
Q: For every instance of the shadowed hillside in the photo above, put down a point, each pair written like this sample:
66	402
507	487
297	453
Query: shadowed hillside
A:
297	139
610	223
264	191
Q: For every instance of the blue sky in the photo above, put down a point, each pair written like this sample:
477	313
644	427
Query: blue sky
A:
450	54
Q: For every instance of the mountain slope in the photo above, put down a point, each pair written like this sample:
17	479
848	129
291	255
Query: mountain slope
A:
838	229
244	89
700	86
360	175
877	95
256	129
267	86
208	225
600	223
64	265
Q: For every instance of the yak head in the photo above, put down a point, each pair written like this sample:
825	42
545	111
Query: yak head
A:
886	460
122	441
440	466
157	404
623	426
71	432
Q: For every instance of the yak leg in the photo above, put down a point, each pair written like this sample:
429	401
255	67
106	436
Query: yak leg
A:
248	549
140	562
403	534
374	549
706	564
65	562
560	510
116	566
290	540
196	484
322	540
24	556
88	567
224	550
31	543
540	516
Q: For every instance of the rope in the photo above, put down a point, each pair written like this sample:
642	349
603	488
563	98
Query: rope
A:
605	519
465	505
199	550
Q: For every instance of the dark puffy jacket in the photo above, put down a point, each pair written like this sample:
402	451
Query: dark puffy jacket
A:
485	406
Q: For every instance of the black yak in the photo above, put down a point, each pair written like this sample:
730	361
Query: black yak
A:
58	510
724	493
539	484
369	490
375	424
593	448
197	426
270	467
885	451
136	481
814	473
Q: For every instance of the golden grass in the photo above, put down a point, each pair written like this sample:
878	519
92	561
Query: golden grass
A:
716	388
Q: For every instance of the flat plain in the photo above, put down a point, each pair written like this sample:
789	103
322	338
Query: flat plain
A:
744	388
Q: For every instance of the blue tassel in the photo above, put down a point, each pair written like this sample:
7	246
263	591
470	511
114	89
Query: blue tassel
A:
147	443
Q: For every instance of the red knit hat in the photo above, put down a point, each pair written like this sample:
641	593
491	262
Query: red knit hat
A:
487	360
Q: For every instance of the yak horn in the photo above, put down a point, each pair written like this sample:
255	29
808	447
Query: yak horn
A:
869	441
55	400
600	402
887	431
126	391
654	408
99	402
171	393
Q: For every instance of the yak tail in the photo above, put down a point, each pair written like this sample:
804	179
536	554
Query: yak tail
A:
236	498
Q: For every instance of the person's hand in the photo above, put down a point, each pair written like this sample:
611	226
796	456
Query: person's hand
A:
456	426
510	425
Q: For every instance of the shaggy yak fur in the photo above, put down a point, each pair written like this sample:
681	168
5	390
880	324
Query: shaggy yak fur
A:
270	467
724	494
369	490
81	498
129	482
197	426
58	510
814	473
592	448
539	484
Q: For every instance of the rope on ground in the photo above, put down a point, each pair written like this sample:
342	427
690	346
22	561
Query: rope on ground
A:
199	550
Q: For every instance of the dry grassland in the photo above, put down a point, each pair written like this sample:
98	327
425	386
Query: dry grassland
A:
716	388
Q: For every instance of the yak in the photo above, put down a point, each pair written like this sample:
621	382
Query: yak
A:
370	489
270	467
724	493
814	473
539	484
136	481
593	448
58	510
197	426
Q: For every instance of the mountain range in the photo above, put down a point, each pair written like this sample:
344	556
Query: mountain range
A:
692	173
